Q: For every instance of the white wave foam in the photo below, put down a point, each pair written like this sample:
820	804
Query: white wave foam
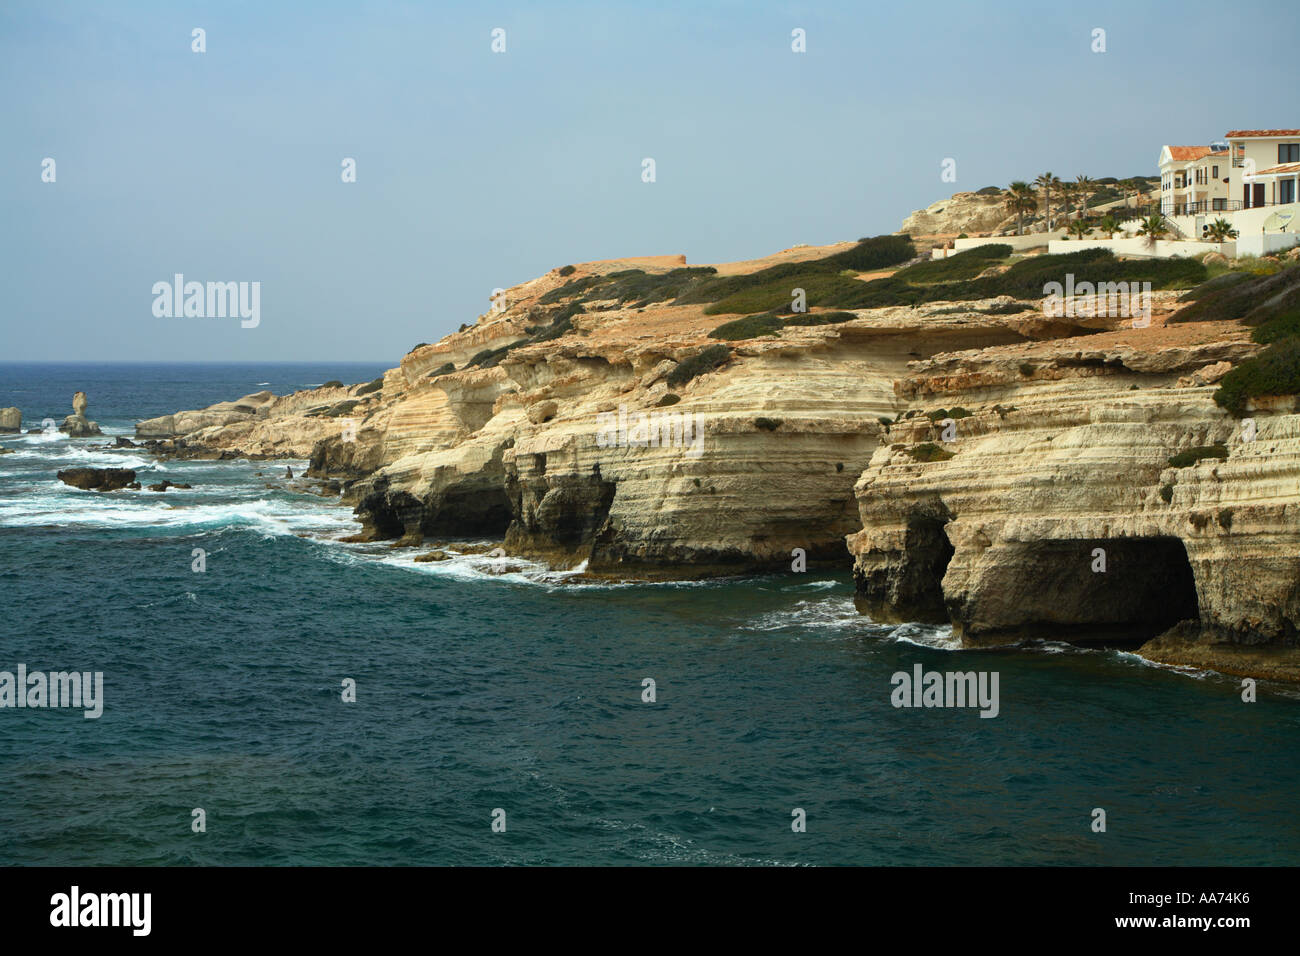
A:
935	636
1195	673
837	613
68	507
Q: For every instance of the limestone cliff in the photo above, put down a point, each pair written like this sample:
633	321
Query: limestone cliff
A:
995	468
963	212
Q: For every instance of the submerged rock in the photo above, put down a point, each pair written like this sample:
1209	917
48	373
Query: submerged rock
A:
98	479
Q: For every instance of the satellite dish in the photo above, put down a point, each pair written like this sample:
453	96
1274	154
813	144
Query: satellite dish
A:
1278	221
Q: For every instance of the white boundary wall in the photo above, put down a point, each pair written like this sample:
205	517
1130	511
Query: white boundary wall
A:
1017	243
1162	248
1263	243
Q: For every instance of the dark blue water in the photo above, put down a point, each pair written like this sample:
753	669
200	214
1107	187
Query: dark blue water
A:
522	691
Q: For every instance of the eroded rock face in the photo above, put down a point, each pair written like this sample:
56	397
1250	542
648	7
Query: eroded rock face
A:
1063	515
77	425
1058	455
98	479
963	212
11	420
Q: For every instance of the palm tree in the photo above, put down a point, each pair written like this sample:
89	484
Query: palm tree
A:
1085	187
1220	231
1020	200
1109	225
1134	186
1080	228
1047	182
1153	227
1068	194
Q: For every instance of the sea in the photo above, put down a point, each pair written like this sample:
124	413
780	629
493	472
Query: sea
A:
507	714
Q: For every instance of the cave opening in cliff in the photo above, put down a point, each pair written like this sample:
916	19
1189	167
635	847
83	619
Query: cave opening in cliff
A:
929	551
911	588
1109	592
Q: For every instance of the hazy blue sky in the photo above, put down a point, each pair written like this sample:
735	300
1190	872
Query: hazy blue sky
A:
477	170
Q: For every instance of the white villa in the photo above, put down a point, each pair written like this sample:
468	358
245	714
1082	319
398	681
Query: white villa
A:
1193	179
1252	181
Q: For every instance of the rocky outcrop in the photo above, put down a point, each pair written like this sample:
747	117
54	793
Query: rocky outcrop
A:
11	420
967	212
1055	509
98	479
77	425
1008	472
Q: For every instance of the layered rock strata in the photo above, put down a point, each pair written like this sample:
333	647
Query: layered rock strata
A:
1007	473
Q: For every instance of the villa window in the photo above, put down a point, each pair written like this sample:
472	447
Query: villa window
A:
1220	204
1215	172
1286	190
1288	153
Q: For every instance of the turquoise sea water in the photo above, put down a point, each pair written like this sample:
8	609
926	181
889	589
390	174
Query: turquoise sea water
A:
522	691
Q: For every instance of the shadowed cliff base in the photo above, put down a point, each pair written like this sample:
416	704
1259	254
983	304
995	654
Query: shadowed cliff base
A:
1048	589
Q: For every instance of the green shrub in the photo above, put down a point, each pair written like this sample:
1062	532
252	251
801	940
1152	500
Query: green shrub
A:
1009	308
567	270
989	191
776	281
750	327
955	413
929	451
1185	459
1167	493
1225	281
885	421
570	289
643	288
703	361
1275	371
369	387
1254	300
332	383
767	424
820	288
821	318
668	398
490	358
1283	326
878	252
333	411
444	369
963	265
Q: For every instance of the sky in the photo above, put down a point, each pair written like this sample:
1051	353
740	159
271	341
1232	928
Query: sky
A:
478	169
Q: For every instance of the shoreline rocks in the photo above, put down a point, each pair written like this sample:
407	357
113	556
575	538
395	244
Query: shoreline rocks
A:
77	425
98	479
972	458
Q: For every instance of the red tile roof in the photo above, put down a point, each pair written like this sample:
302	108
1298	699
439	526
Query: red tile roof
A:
1184	153
1250	133
1285	169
